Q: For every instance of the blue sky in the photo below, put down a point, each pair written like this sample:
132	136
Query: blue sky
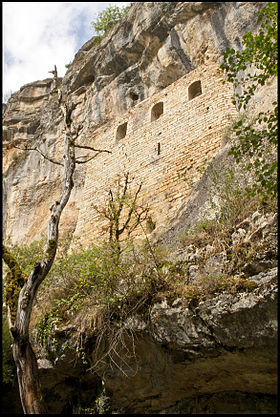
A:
38	35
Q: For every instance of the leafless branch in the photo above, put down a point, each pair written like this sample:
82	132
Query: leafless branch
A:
60	163
86	160
41	153
91	149
132	209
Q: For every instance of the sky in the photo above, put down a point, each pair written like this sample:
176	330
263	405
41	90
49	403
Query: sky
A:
39	35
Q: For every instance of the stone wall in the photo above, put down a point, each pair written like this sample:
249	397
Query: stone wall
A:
164	142
167	154
156	50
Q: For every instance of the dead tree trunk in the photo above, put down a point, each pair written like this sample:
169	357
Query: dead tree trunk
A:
28	378
21	289
24	357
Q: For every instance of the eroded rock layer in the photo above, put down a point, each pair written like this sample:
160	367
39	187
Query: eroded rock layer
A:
155	45
151	93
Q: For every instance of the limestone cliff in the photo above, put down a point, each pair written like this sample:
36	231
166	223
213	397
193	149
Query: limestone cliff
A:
151	93
156	44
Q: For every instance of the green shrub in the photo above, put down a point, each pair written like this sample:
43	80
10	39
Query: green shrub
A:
255	66
8	366
107	18
27	255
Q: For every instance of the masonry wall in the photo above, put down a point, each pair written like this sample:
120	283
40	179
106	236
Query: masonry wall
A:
166	154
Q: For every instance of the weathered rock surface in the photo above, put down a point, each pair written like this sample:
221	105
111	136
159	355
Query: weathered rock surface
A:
156	44
218	354
219	346
212	355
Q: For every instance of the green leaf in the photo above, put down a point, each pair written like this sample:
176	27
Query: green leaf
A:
260	51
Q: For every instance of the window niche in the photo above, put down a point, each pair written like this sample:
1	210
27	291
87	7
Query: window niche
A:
195	89
121	131
157	111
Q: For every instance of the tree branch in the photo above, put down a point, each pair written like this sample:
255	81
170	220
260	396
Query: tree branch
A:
41	153
91	149
132	209
21	290
87	160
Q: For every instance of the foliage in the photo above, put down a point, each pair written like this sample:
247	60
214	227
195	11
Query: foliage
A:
228	197
90	289
229	205
106	19
23	288
8	365
102	284
45	330
21	260
14	281
89	286
250	69
15	156
27	255
95	277
101	405
107	279
211	237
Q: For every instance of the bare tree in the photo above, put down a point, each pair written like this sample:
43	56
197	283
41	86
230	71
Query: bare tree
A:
20	289
123	213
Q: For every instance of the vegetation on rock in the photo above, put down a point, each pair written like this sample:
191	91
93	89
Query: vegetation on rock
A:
8	365
89	289
106	19
15	280
123	214
21	289
250	69
99	289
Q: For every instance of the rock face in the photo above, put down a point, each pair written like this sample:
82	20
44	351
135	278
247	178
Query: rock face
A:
214	355
156	44
203	350
150	93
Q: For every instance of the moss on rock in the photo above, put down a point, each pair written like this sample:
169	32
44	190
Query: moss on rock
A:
15	280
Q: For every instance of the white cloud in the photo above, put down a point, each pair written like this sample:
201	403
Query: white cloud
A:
38	35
